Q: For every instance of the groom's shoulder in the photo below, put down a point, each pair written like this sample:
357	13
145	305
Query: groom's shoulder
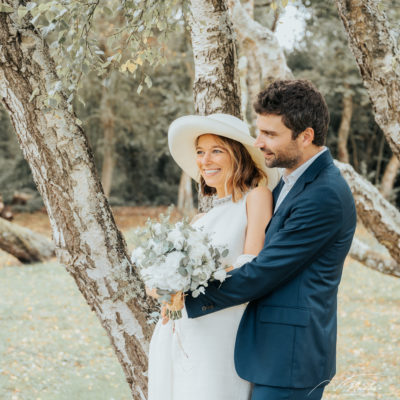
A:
330	184
331	177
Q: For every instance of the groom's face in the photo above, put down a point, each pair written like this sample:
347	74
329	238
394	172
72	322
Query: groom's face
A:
275	141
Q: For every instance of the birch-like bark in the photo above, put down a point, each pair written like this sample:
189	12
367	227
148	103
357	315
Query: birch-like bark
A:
261	41
376	213
216	83
22	243
372	259
266	61
216	87
87	239
377	56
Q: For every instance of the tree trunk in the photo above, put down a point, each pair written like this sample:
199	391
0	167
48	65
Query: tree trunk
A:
216	84
377	57
266	61
375	212
374	260
261	41
185	195
22	243
87	239
344	129
389	176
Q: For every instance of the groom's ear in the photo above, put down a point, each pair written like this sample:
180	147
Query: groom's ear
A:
307	136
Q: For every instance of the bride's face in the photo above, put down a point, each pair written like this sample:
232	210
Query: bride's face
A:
214	162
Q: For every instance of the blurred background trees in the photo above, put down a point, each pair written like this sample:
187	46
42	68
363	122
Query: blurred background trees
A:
138	143
128	130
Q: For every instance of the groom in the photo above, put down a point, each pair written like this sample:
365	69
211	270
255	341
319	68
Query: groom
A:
286	341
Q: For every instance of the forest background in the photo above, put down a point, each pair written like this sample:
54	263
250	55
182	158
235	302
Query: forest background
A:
127	130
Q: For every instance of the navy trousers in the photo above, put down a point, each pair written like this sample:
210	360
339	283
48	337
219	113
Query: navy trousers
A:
261	392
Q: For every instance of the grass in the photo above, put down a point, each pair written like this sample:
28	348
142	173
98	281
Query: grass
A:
52	347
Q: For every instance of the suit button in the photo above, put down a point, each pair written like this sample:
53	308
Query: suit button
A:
204	308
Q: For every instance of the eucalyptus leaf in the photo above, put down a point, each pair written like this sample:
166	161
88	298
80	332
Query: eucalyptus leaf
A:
183	271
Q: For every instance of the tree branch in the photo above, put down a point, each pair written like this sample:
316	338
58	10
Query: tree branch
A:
378	59
380	217
374	260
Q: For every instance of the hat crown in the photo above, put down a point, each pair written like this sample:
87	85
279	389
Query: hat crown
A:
231	121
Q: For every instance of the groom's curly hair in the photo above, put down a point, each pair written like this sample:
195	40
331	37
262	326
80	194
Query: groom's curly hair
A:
244	173
299	103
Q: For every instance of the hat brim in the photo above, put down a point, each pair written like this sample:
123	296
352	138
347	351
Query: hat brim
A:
184	131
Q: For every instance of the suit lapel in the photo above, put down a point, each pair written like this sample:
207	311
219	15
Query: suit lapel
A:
277	190
309	175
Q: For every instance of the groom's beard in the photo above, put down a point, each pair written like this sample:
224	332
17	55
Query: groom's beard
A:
288	158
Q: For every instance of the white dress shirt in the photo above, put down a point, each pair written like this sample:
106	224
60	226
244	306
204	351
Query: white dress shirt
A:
291	179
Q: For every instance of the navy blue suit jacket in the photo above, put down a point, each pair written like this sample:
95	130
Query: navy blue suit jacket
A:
287	335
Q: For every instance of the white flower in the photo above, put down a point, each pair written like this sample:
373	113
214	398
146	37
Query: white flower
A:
199	251
196	292
137	255
165	275
158	248
220	274
157	229
176	237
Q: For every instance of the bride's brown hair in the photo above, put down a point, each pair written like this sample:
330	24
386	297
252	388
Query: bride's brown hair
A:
244	173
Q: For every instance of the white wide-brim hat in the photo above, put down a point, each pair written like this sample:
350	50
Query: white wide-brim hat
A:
184	131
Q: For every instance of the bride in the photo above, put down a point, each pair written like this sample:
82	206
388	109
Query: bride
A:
193	359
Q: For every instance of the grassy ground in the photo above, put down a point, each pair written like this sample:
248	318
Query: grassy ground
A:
53	347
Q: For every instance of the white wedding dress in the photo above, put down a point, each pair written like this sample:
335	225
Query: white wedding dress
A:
192	359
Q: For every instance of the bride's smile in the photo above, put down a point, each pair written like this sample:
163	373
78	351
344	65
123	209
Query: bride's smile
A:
214	162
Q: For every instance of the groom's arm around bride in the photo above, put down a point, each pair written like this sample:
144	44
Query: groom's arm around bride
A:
287	336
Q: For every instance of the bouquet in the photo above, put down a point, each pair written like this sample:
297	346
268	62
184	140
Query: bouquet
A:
177	258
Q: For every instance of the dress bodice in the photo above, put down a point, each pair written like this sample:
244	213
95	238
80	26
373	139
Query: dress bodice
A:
226	224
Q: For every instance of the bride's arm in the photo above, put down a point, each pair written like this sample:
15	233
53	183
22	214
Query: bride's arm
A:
259	206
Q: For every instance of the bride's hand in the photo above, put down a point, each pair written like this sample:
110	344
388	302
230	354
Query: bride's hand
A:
228	269
176	304
152	292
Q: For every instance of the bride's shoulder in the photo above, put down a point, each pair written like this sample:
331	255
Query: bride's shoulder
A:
259	194
259	199
259	206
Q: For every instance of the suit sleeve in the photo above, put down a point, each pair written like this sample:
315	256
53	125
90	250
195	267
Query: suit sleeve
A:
312	224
